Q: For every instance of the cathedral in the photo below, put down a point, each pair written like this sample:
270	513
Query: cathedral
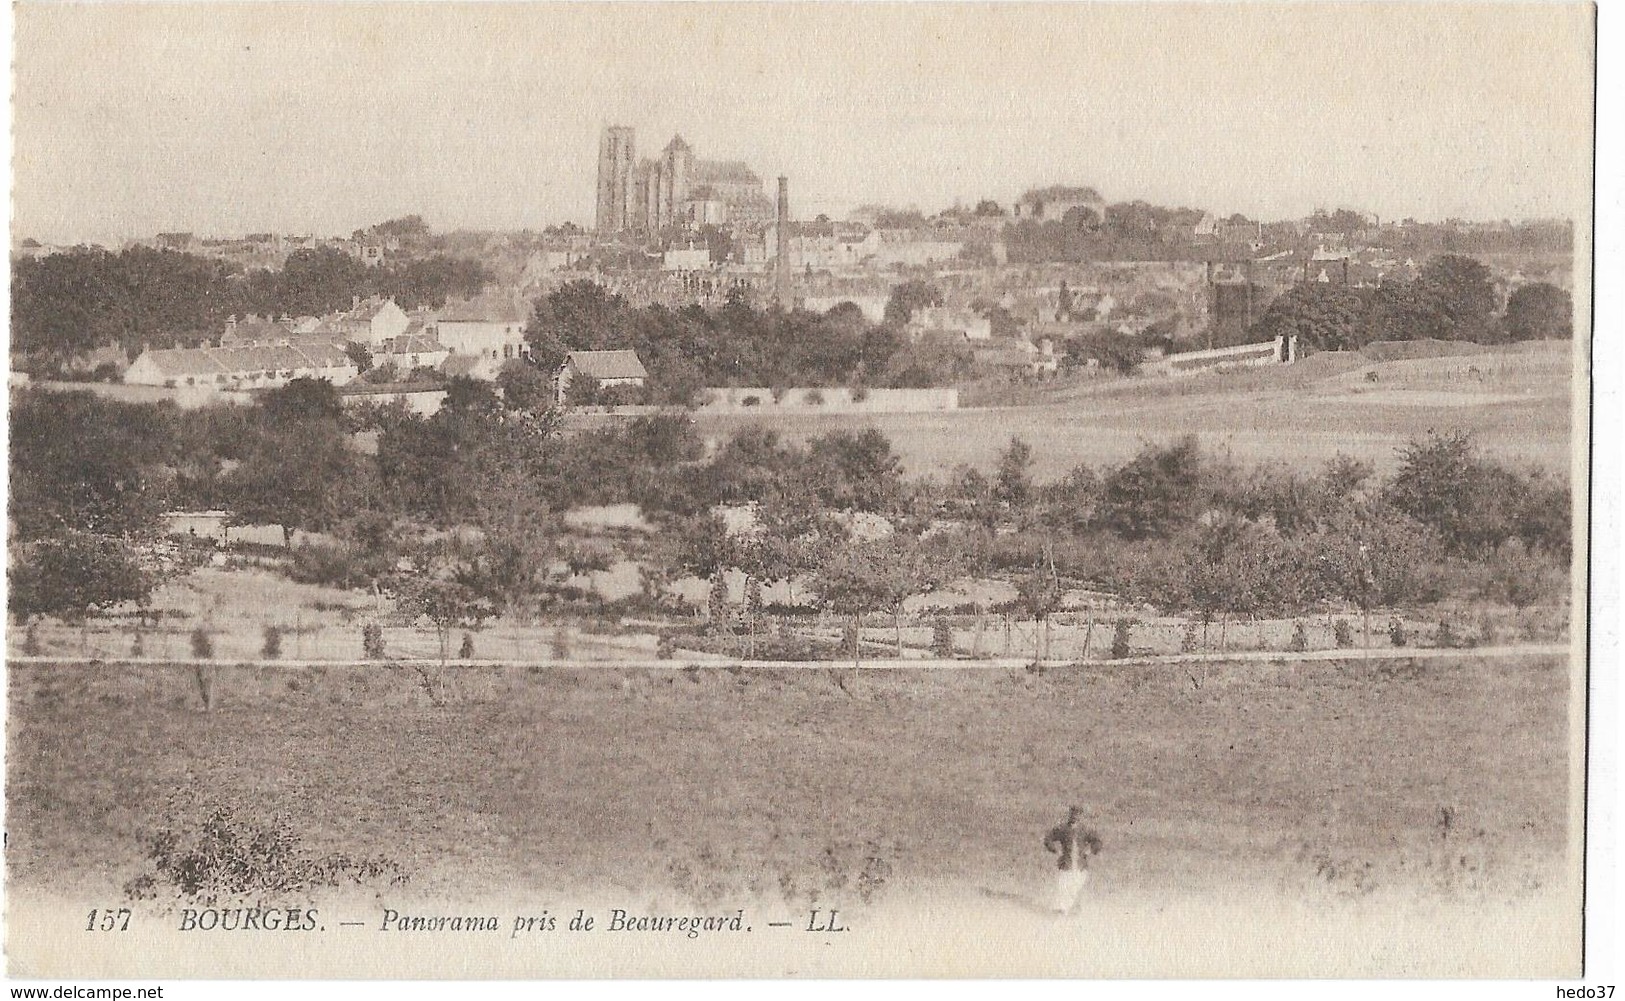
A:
675	190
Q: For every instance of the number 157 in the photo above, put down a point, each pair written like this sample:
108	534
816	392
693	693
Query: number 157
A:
109	920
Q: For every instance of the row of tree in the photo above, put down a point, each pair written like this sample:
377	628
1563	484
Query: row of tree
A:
67	305
738	344
1453	299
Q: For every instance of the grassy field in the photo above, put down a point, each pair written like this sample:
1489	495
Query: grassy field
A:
1517	403
1318	788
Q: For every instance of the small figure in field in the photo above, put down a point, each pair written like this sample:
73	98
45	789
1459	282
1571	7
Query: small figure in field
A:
1075	844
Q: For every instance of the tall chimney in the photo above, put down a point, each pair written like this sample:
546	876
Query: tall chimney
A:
781	282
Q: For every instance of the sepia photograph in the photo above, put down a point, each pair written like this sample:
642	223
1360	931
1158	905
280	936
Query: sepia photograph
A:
520	491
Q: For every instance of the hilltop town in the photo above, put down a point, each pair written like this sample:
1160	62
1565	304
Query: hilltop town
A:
1056	283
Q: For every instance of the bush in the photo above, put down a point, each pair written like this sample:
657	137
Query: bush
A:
814	398
1187	638
236	858
1300	637
273	643
137	647
665	647
1396	632
466	650
1446	636
750	401
561	644
202	643
31	643
1343	633
942	638
860	393
372	641
1121	630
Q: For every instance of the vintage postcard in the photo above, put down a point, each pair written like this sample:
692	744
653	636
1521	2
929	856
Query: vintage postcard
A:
519	491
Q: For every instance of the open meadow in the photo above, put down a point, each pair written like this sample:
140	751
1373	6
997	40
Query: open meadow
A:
1515	401
1353	803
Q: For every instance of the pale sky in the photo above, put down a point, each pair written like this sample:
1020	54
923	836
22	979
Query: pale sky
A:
221	120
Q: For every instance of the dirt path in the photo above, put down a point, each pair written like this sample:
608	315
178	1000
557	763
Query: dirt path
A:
1002	663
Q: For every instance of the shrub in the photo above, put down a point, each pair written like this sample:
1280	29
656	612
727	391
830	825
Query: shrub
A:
236	858
860	393
466	650
202	643
1343	633
665	647
137	647
561	644
1396	632
1300	637
814	398
273	642
1187	638
750	401
1447	635
942	638
31	643
1121	630
372	641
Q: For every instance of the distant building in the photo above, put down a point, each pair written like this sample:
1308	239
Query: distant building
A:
259	367
616	156
490	326
962	324
1052	204
371	321
674	189
603	368
690	258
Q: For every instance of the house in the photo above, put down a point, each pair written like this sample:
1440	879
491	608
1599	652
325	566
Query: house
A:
1018	357
961	324
1052	204
369	322
491	327
603	368
414	349
242	367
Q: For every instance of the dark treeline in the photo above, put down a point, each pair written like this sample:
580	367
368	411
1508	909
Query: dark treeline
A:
736	345
66	305
1173	526
1453	299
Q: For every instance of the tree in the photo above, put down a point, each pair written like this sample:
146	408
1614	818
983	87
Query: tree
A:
79	462
1013	483
908	297
300	476
1154	493
1539	312
302	399
431	590
854	472
1463	293
1472	503
360	355
74	574
1324	317
525	386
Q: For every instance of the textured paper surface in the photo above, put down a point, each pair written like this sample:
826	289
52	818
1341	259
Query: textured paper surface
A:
109	104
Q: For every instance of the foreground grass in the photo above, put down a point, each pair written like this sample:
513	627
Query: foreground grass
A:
1316	779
